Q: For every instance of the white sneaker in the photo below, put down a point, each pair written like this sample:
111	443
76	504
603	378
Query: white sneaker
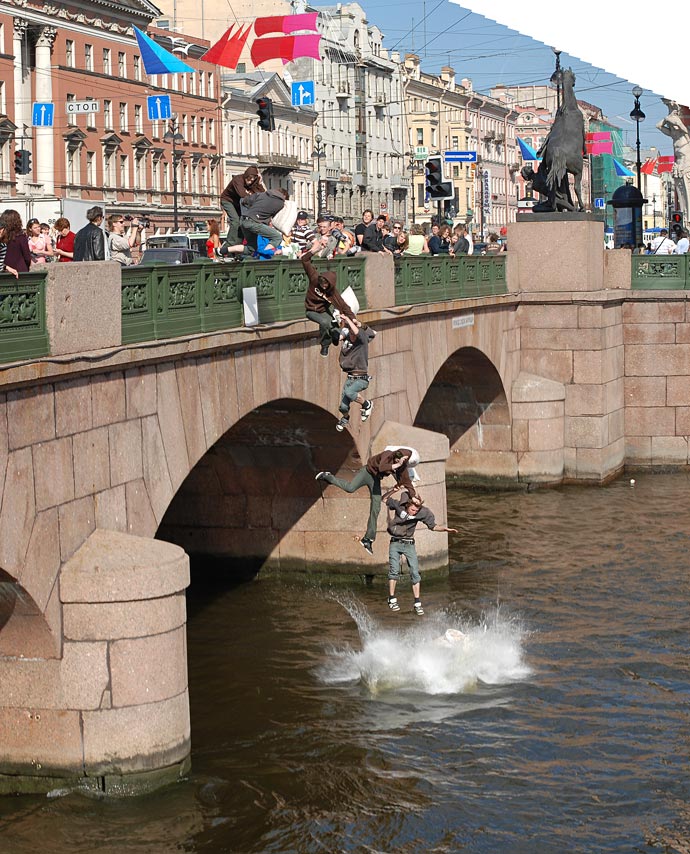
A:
418	608
393	604
367	408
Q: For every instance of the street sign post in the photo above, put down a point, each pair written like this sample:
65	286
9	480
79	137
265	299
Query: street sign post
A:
42	115
80	107
421	152
159	107
460	156
302	93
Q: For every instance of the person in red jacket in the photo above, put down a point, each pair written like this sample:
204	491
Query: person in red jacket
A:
382	465
64	246
321	301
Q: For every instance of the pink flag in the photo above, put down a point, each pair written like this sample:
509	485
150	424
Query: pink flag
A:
599	147
286	48
665	164
598	136
285	23
226	51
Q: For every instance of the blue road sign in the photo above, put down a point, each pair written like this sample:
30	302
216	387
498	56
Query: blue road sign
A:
302	93
42	115
460	156
600	203
159	107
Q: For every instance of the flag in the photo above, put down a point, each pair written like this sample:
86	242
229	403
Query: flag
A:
602	147
226	51
526	151
286	48
598	136
156	59
621	170
285	23
665	164
648	166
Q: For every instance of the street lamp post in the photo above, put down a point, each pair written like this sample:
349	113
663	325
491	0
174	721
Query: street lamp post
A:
413	163
174	136
318	153
637	114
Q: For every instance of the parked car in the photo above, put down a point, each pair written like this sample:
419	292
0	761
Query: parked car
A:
169	255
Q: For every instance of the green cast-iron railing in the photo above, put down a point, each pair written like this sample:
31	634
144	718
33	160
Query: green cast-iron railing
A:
23	333
434	279
660	272
162	301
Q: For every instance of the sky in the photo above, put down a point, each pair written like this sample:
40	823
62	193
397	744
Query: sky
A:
443	33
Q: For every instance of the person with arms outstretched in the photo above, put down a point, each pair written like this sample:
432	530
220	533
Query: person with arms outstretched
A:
407	512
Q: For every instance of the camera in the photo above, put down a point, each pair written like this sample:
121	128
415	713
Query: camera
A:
338	234
127	218
144	222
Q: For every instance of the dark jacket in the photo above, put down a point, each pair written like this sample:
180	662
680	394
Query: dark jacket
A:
89	244
373	239
18	255
262	207
462	246
438	246
237	188
381	465
403	526
322	291
354	354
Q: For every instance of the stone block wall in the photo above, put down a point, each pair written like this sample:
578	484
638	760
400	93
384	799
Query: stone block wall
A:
112	713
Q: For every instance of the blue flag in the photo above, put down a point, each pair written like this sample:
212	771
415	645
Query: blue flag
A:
156	59
527	152
622	171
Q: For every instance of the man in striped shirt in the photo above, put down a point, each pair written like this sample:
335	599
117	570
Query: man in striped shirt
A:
303	234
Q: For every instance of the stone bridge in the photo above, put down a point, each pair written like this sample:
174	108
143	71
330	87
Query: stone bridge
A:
117	460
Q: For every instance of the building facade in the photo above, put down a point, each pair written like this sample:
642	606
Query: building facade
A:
115	155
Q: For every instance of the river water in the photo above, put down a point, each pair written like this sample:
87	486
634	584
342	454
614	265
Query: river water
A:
323	722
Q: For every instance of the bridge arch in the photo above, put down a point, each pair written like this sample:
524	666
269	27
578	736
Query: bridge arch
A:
467	402
24	631
251	501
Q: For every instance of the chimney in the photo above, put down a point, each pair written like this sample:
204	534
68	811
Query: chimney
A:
466	84
448	76
412	65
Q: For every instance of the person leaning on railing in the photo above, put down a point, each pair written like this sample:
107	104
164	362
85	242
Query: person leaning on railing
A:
417	242
17	253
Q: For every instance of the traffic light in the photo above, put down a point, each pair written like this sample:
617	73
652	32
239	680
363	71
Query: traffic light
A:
22	162
437	190
677	222
265	114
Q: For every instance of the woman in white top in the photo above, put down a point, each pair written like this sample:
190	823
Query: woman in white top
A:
417	244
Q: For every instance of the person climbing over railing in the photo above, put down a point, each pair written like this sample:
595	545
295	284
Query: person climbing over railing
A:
321	301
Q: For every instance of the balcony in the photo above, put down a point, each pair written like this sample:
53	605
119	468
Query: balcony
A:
342	90
278	161
380	101
360	179
399	182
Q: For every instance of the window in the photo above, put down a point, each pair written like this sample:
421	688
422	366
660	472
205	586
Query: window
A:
202	84
209	88
138	119
185	126
155	174
71	117
108	114
137	67
88	57
123	117
140	170
69	53
2	97
202	129
166	176
124	170
211	132
193	129
108	167
107	61
420	136
72	159
90	168
122	65
454	143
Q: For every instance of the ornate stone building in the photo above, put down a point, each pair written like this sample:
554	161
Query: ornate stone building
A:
86	51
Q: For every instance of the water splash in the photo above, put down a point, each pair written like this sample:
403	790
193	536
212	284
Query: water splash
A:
420	658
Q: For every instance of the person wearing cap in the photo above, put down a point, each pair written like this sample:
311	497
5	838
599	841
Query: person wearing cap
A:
302	233
321	301
407	513
394	463
354	362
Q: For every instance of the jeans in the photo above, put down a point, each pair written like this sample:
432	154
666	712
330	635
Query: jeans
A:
352	387
373	484
325	321
410	552
233	235
252	229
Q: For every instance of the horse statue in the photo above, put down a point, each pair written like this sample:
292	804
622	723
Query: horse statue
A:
561	155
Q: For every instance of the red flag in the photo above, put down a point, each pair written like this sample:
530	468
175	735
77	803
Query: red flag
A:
226	51
286	48
285	23
665	164
647	167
